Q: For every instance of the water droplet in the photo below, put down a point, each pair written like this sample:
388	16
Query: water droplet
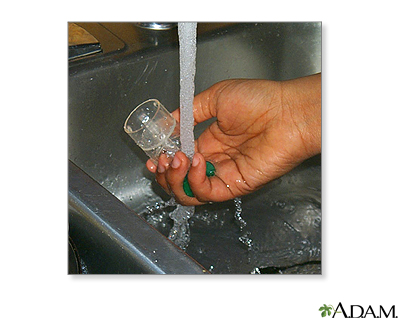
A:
245	239
256	271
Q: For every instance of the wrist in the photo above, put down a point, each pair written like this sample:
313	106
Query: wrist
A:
302	100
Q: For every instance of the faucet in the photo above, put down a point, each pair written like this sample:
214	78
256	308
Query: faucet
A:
156	25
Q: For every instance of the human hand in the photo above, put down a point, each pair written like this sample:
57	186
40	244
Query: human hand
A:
263	130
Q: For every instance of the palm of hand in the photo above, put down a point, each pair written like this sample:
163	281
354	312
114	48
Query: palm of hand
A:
248	141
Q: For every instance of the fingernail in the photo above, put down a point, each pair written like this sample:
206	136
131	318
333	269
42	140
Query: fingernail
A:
176	163
196	160
160	168
152	167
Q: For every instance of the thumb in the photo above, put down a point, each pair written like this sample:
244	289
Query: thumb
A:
205	104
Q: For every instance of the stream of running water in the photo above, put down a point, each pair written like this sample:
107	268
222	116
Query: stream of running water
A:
180	232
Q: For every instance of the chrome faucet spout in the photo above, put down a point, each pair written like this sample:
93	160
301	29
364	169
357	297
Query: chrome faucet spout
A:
156	25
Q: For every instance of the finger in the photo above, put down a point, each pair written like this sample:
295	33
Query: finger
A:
204	188
177	114
151	166
163	165
197	178
204	104
174	177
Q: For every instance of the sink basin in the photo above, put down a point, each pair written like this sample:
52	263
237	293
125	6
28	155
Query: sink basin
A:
283	218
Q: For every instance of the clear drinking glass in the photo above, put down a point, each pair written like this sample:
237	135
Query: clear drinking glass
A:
153	129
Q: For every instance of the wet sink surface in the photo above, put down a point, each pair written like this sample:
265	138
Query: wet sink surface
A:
284	218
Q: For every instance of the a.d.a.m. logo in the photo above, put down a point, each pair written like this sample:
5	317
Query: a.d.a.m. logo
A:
357	311
326	310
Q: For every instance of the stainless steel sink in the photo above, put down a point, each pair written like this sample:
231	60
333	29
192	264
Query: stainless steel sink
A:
283	219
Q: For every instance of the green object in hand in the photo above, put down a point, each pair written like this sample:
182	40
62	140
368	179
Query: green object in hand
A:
210	171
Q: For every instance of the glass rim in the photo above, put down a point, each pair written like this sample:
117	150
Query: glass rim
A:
134	110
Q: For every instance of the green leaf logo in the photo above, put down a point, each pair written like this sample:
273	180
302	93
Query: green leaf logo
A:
326	309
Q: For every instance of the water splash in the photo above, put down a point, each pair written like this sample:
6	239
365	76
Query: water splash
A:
180	231
245	235
238	213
